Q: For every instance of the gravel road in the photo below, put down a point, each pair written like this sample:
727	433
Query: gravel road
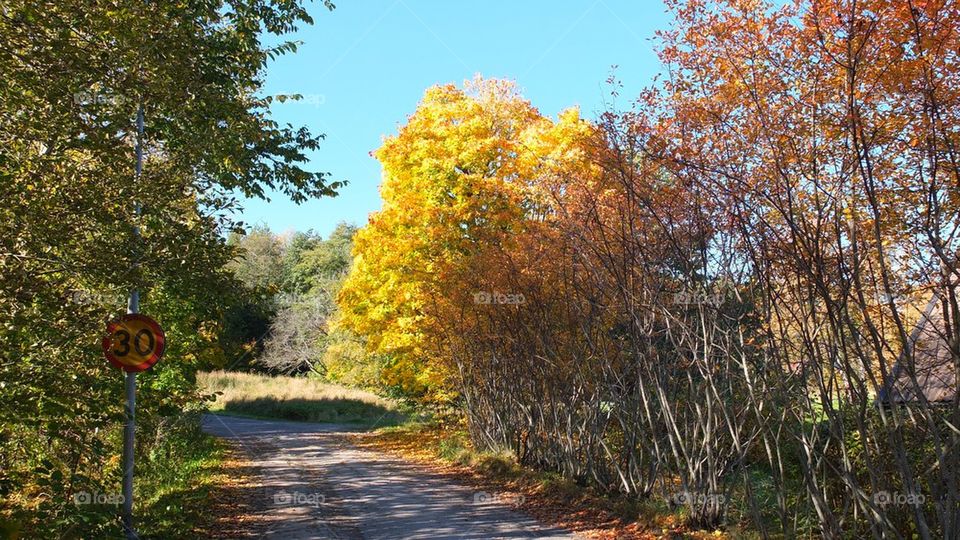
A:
314	485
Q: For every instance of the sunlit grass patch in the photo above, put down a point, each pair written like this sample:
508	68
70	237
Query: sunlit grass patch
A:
297	398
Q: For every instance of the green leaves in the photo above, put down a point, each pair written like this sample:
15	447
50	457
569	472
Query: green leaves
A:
75	73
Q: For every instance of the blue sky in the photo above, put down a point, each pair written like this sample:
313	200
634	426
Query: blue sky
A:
364	66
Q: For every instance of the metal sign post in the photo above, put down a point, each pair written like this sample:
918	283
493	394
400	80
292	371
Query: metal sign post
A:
130	385
130	381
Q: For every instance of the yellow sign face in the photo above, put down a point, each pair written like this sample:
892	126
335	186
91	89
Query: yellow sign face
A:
133	342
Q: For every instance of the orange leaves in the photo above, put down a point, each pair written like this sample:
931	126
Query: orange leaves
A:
825	122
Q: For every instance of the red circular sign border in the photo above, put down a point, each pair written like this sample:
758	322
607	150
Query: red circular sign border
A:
161	345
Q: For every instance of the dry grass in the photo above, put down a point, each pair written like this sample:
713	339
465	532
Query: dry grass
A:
296	398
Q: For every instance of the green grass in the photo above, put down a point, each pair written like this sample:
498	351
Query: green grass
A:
175	473
174	483
297	398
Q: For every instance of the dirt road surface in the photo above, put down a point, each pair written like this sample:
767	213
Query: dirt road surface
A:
313	484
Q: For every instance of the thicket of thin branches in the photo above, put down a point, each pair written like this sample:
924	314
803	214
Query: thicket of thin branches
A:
715	317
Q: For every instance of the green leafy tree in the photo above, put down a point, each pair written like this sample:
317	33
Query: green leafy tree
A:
327	261
259	266
300	332
75	73
298	244
260	261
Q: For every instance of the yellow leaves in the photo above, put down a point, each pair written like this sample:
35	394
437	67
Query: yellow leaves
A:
468	171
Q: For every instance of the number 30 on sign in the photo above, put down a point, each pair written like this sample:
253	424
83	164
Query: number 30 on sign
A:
133	342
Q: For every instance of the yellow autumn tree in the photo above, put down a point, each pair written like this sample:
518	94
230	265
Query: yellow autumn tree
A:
462	176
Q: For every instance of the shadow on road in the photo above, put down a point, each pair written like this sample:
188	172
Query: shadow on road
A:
313	484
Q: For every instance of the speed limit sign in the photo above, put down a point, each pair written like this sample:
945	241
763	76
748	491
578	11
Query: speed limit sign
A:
133	342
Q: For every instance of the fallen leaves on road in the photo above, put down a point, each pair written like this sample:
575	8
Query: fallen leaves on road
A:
579	510
236	502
